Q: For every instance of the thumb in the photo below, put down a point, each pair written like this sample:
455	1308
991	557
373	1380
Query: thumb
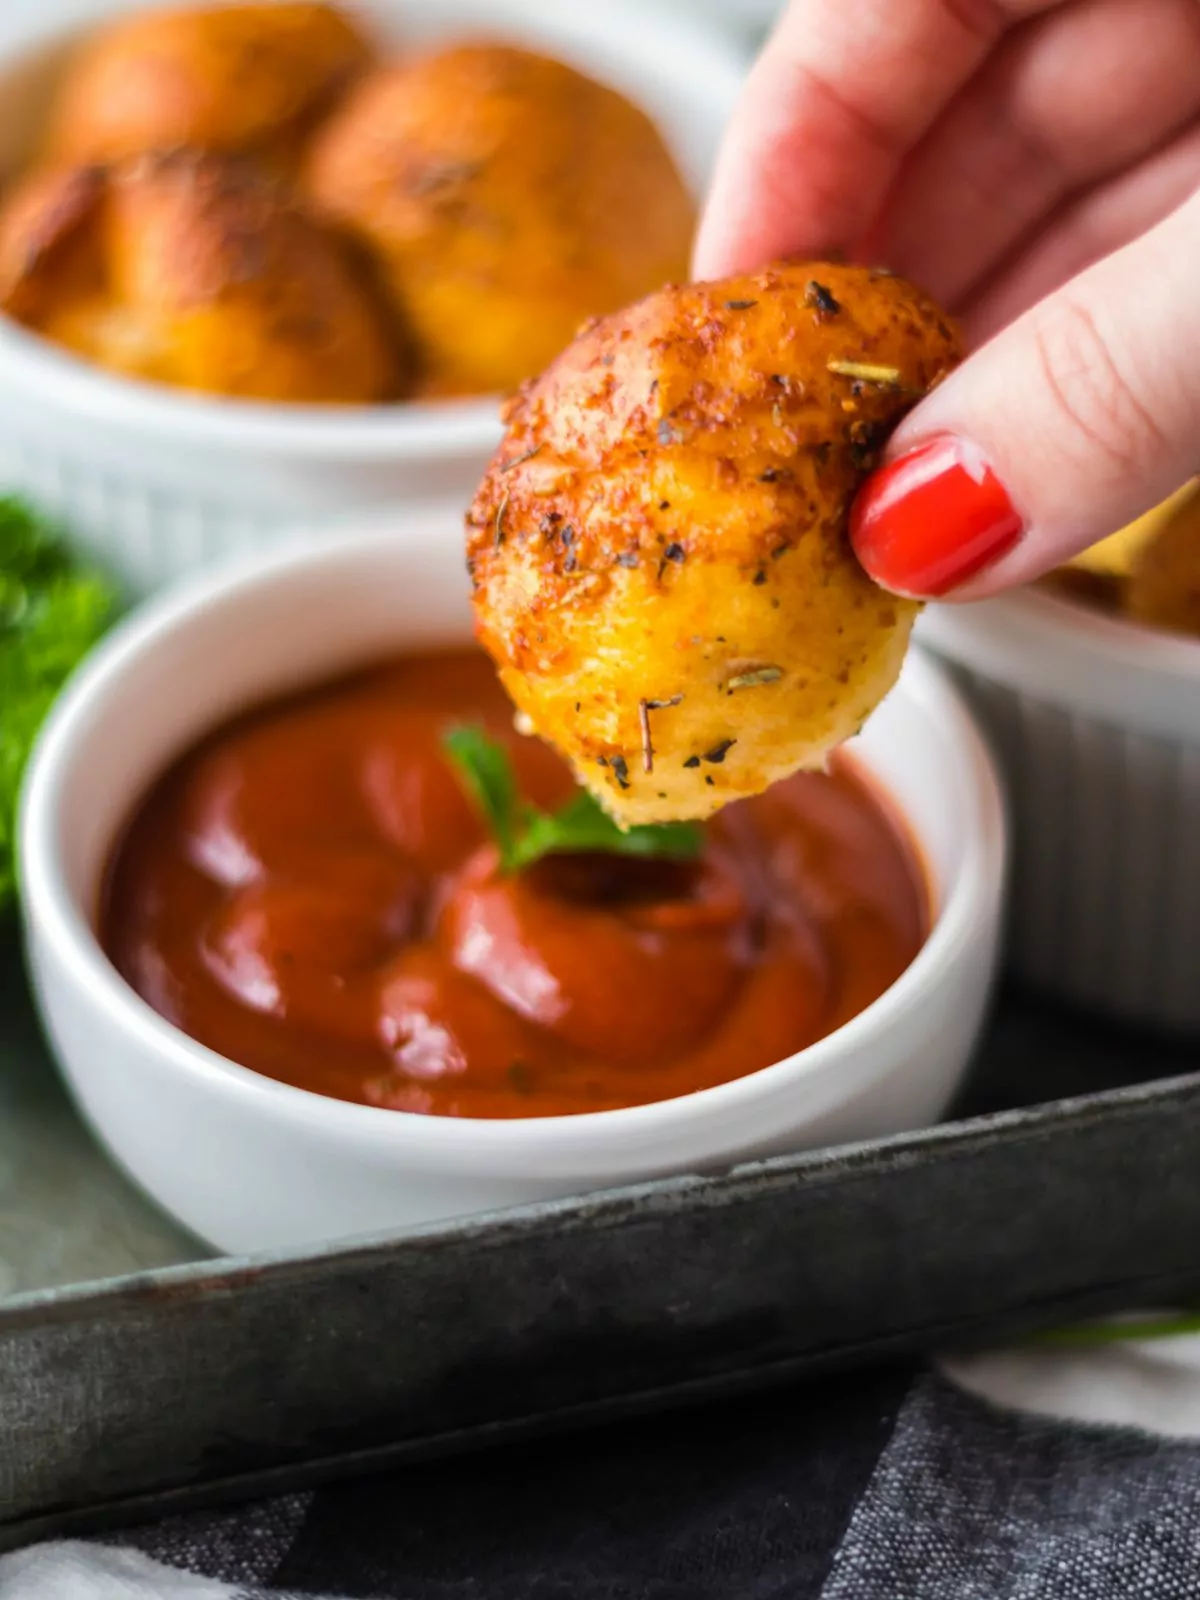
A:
1074	420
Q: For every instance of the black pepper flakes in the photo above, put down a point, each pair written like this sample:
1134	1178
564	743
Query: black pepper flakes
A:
674	552
692	761
708	780
821	299
627	558
760	577
866	441
719	751
664	505
739	305
774	474
620	770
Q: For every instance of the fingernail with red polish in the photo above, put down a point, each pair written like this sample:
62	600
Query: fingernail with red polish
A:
933	518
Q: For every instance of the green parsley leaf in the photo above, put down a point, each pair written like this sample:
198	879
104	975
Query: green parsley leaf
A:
487	775
582	825
524	834
51	613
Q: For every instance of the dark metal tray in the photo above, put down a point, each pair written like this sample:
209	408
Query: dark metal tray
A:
169	1377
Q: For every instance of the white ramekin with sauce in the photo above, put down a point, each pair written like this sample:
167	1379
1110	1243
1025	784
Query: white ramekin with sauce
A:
250	1163
157	482
1096	723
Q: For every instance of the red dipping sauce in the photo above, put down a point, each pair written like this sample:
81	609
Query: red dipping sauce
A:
310	893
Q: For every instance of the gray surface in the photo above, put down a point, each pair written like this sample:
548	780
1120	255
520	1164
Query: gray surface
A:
220	1377
258	1376
66	1214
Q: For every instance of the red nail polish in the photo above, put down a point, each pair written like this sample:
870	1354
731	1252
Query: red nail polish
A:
933	518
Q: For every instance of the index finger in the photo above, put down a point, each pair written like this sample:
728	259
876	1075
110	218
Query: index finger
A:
840	94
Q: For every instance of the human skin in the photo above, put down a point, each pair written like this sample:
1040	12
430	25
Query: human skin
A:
1034	164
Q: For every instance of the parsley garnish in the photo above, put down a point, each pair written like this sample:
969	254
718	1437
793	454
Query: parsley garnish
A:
524	834
51	613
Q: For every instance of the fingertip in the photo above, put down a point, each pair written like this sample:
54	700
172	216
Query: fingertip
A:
934	520
713	255
727	243
747	218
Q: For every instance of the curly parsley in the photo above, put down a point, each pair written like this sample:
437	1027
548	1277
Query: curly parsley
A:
52	610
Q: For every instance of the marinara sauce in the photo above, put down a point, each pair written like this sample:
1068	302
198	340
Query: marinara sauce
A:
310	893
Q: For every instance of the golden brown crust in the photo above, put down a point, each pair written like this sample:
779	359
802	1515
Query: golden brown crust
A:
258	300
508	197
209	277
228	78
49	240
659	547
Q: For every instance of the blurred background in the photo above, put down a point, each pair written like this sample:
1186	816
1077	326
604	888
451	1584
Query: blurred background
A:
744	20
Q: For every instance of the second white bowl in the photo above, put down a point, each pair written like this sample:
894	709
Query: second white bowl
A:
1096	722
157	482
250	1163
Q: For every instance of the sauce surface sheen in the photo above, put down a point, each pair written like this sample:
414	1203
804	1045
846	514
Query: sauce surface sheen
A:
309	893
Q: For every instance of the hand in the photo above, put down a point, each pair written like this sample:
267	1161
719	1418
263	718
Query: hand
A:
1034	164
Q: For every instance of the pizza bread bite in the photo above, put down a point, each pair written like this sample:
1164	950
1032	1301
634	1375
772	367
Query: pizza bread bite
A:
659	550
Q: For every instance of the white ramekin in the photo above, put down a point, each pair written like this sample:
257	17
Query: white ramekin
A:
156	482
1096	723
248	1163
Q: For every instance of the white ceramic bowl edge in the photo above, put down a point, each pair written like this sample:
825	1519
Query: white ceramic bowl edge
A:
249	1163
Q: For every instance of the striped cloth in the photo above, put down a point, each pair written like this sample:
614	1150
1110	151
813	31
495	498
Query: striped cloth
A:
963	1483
